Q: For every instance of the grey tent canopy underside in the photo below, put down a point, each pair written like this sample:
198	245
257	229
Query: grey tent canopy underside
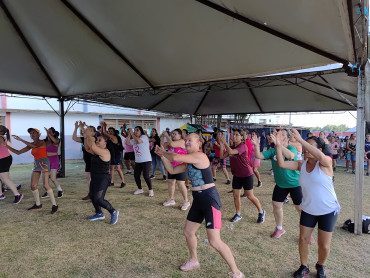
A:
193	57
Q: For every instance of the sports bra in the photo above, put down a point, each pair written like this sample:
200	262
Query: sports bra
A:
39	153
199	177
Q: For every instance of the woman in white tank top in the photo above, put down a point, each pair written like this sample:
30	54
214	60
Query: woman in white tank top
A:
319	203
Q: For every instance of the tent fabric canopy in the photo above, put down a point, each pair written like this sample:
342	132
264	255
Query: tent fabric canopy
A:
193	57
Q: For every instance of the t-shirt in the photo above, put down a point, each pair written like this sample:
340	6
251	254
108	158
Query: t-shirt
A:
367	146
141	150
333	145
128	148
157	142
216	148
239	163
284	178
248	143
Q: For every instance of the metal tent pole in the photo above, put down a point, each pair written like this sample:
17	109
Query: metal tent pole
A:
363	82
62	139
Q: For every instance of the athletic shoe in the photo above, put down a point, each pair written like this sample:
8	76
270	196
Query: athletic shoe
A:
60	194
301	272
367	174
259	184
19	186
261	217
228	182
231	191
152	177
353	172
164	177
187	187
347	171
320	271
169	202
111	184
286	201
334	169
277	233
271	172
87	197
139	191
128	173
17	199
214	179
312	239
34	207
97	216
243	196
236	218
114	217
45	195
185	205
151	193
122	185
190	265
54	209
240	275
2	197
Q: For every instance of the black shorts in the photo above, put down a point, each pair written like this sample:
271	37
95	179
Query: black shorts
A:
87	160
178	177
206	205
368	156
5	164
129	156
325	222
280	194
335	156
116	160
245	182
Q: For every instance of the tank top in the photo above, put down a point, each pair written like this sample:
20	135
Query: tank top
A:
39	153
52	148
178	151
367	146
199	177
4	152
352	146
98	166
319	197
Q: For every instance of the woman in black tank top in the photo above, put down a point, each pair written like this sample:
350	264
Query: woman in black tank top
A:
100	177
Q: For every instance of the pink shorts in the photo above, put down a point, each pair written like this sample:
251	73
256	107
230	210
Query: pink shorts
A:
255	162
54	162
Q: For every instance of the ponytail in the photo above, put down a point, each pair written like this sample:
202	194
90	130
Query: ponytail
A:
4	130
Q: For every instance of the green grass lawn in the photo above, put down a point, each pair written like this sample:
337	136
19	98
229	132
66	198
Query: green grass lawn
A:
147	241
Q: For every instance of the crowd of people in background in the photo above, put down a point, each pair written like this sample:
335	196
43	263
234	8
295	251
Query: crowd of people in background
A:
302	169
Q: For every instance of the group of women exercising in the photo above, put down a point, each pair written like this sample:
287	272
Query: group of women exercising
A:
183	158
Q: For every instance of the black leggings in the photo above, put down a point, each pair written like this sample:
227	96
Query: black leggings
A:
144	167
98	187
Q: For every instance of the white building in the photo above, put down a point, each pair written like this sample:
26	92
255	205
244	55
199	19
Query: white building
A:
20	113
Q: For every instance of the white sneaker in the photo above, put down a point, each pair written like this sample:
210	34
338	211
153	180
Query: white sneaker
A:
139	191
151	193
169	203
185	205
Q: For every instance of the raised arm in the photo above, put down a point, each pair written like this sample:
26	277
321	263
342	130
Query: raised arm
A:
49	133
3	143
225	146
281	162
256	144
133	136
167	158
286	153
29	144
74	135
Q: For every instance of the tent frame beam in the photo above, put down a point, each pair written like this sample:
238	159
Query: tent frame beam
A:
81	17
28	46
274	32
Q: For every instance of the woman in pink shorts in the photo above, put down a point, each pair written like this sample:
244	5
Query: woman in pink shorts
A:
52	145
255	162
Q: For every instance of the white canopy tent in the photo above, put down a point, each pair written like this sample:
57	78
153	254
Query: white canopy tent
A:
193	56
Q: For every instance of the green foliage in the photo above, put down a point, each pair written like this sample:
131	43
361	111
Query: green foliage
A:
329	128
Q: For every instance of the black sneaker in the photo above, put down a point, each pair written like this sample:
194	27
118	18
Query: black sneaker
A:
243	196
286	201
19	186
152	177
17	199
367	174
236	218
261	217
45	195
122	185
231	191
54	209
334	169
214	179
60	194
320	271
112	184
164	177
302	272
35	207
228	182
259	184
